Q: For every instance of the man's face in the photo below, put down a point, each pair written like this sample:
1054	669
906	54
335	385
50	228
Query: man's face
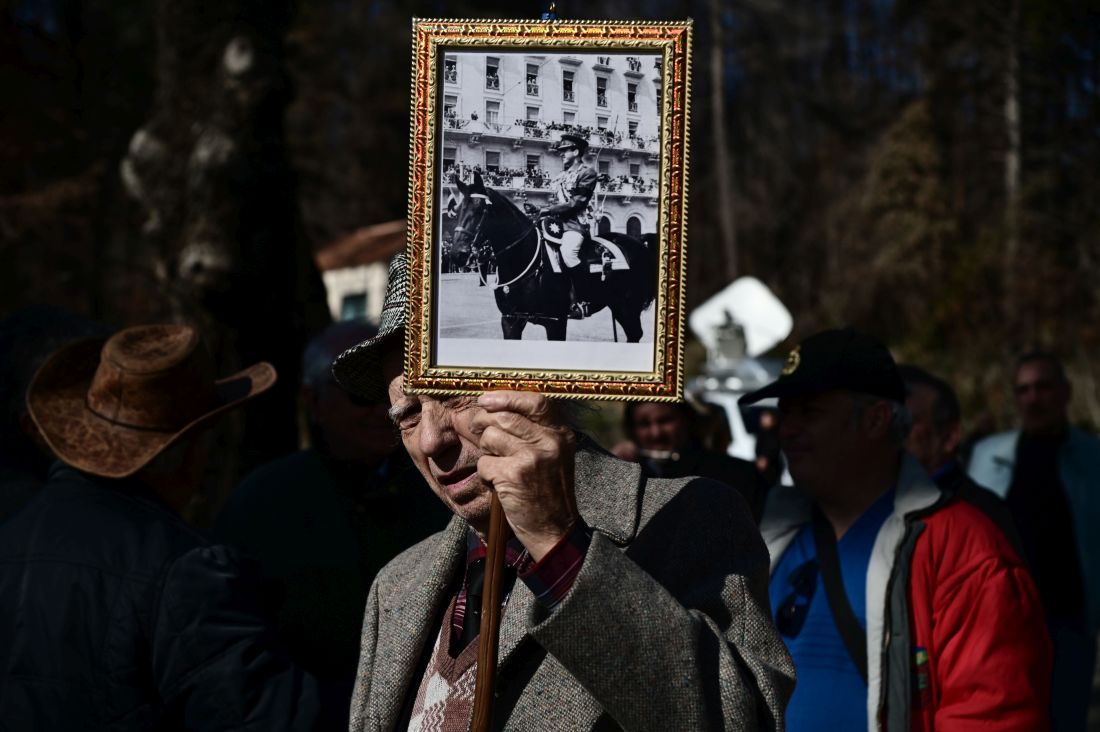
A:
660	427
569	155
352	429
436	434
931	446
821	439
1042	398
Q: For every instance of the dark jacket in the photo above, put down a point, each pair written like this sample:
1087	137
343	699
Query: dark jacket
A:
321	530
115	615
695	460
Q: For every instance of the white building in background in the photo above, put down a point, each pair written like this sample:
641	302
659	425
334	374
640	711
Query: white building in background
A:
355	270
503	112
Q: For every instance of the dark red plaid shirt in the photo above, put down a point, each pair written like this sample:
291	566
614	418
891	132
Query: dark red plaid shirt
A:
550	579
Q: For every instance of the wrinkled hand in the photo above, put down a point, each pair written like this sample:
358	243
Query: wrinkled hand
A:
527	456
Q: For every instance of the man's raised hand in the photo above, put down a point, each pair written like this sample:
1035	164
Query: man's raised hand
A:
527	456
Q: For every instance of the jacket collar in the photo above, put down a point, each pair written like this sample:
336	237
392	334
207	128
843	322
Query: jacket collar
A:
787	509
608	492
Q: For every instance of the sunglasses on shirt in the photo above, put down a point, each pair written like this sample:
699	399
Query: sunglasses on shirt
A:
791	613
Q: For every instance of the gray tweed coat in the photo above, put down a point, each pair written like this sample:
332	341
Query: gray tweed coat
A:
666	627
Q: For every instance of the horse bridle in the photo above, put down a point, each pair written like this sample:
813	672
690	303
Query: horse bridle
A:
477	235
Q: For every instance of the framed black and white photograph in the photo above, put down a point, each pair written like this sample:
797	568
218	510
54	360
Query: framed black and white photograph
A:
548	206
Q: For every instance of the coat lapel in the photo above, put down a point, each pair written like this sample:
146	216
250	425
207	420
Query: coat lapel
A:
409	618
608	492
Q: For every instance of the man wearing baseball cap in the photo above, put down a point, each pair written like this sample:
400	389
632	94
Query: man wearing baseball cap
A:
902	609
114	614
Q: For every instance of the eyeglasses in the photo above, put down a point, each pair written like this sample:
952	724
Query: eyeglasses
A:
792	612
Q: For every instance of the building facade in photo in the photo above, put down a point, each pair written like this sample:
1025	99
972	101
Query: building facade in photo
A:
502	114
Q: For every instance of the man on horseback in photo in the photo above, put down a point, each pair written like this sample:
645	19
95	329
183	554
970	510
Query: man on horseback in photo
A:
573	188
538	278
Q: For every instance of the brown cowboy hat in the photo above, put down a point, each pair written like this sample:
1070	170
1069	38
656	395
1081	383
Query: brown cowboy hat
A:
108	406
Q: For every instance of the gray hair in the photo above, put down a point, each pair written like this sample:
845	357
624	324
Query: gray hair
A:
901	420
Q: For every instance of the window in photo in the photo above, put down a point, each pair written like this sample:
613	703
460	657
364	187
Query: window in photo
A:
492	73
532	80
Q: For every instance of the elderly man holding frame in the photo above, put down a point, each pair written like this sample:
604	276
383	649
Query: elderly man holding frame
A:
640	603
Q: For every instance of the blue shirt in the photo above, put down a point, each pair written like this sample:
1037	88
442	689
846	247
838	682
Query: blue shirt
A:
830	694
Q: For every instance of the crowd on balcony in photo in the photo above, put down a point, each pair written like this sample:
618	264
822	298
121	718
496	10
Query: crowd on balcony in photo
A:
627	184
533	177
539	130
537	178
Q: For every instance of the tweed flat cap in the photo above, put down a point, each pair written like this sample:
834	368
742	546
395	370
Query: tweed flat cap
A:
359	369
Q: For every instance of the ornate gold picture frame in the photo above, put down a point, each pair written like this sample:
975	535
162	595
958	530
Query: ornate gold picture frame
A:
548	207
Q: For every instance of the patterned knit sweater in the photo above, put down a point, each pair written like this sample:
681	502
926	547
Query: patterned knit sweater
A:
445	700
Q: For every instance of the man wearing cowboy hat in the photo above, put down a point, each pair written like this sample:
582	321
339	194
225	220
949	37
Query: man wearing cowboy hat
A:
114	614
572	188
631	603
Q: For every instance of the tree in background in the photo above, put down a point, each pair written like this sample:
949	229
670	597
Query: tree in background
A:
220	228
924	170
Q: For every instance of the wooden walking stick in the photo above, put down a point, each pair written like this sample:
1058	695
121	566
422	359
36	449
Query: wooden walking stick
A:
489	635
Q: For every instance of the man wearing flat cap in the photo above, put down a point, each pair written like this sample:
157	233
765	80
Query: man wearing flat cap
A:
114	614
629	603
903	609
573	188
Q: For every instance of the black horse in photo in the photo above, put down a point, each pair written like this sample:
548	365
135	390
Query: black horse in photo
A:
531	285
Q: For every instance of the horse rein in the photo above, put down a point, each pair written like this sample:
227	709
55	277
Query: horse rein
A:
477	234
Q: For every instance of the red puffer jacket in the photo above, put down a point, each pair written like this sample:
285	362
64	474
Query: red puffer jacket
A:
981	655
956	638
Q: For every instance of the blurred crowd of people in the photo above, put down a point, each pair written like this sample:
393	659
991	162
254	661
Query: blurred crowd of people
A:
902	584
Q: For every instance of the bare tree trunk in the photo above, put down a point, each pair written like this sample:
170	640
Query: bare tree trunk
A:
221	230
723	158
1012	155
